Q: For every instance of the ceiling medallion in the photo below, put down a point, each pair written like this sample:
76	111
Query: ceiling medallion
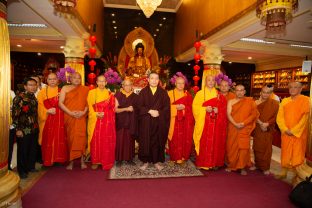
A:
148	6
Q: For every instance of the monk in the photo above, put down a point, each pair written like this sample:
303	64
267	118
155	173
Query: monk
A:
292	119
73	101
126	123
181	123
101	126
225	90
242	114
265	127
51	124
154	119
209	109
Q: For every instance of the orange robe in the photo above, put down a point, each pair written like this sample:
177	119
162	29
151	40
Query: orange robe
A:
238	141
293	115
52	135
76	128
230	96
262	142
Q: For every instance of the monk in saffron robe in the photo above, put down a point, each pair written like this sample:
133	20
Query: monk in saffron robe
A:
209	109
101	126
181	123
73	101
51	124
154	119
242	114
263	133
225	90
126	123
292	119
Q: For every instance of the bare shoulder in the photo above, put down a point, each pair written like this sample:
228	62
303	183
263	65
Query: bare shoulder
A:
66	88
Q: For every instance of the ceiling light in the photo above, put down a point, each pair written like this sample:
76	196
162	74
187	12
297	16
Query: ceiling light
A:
28	25
113	21
135	27
39	54
155	35
230	62
189	64
254	40
300	46
115	32
115	27
164	18
116	36
249	57
148	7
61	47
18	45
157	29
160	25
113	15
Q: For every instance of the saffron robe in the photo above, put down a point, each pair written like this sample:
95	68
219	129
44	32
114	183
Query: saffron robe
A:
181	128
238	140
293	114
101	131
52	133
153	132
262	140
76	128
126	127
210	142
230	96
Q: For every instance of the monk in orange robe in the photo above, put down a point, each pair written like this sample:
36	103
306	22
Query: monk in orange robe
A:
73	101
265	127
51	124
292	119
242	114
225	90
181	128
101	126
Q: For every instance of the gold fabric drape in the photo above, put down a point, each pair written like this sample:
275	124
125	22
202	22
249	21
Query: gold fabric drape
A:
78	65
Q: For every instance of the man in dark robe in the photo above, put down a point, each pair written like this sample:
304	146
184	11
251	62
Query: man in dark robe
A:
126	123
154	119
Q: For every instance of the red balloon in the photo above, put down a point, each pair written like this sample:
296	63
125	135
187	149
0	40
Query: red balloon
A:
92	38
91	86
195	88
197	56
196	78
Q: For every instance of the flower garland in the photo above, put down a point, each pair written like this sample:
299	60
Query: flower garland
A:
178	74
220	77
64	75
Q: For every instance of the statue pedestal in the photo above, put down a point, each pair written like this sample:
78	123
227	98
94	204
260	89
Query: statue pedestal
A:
9	192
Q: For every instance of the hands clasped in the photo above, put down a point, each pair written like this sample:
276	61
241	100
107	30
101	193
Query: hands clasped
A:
154	113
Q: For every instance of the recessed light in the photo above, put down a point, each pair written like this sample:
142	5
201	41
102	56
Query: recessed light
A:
61	47
230	62
189	64
39	54
155	35
116	36
249	57
160	25
135	27
157	29
115	32
113	21
18	45
115	27
113	15
164	18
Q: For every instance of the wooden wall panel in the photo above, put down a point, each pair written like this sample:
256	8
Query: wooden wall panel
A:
203	15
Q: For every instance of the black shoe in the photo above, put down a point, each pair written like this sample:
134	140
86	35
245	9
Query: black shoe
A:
34	170
23	175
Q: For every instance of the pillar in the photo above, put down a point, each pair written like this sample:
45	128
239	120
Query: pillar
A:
212	58
74	52
9	181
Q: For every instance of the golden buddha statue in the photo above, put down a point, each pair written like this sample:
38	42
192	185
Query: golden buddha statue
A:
139	65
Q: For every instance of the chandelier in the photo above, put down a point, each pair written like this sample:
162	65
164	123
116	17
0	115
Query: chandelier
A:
148	6
275	14
65	6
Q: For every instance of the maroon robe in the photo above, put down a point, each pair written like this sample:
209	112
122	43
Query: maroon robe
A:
180	146
212	142
53	146
126	127
153	132
103	143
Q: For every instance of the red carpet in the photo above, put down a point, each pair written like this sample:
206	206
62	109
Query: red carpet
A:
87	188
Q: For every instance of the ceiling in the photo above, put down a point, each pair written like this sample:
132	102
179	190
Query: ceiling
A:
51	38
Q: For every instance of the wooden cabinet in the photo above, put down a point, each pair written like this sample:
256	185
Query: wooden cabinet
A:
279	79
